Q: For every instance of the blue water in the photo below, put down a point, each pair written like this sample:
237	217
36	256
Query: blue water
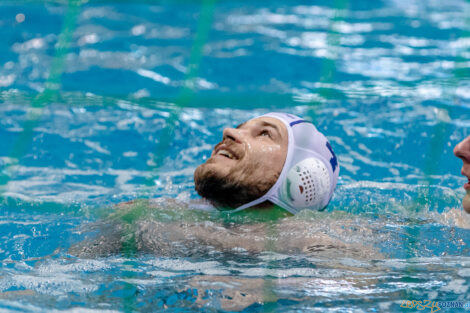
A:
106	102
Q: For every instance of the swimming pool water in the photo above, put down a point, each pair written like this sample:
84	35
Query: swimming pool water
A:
104	102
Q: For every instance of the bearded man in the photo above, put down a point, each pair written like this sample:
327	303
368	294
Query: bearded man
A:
276	159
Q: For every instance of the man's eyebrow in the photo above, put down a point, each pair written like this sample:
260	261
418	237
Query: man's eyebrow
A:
264	123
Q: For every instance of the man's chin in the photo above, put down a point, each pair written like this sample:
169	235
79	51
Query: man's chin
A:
222	160
466	202
220	185
214	167
209	170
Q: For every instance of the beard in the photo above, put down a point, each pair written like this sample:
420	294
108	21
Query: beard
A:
240	186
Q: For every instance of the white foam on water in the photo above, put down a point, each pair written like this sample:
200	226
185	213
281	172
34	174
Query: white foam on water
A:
465	272
80	266
394	263
183	265
154	76
291	272
273	256
413	286
175	267
96	146
54	285
329	287
215	271
142	282
385	306
354	263
163	273
25	307
457	286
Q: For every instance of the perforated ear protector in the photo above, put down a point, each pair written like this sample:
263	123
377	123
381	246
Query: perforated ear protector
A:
310	172
306	184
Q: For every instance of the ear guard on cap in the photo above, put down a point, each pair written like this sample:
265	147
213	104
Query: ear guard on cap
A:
306	185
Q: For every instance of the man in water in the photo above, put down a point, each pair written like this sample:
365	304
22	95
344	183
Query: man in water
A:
462	151
277	159
274	161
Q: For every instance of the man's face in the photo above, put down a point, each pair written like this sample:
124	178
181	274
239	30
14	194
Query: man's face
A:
245	165
462	150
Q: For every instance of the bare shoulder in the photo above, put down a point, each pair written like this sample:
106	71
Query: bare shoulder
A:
168	227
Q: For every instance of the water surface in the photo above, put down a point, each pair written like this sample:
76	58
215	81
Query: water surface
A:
104	102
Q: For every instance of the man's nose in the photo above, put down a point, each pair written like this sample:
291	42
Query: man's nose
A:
462	149
233	134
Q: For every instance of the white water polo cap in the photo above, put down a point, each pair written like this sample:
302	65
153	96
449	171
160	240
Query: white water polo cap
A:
310	173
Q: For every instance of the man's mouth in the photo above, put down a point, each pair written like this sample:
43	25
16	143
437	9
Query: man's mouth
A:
466	186
225	152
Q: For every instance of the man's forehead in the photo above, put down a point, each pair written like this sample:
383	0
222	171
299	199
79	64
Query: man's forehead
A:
264	121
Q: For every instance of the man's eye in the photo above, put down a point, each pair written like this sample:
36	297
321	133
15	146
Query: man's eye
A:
265	133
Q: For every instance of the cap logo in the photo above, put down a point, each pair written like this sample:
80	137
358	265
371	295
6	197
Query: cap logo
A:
333	160
298	122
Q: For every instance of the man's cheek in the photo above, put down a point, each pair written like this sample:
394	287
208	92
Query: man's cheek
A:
270	149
